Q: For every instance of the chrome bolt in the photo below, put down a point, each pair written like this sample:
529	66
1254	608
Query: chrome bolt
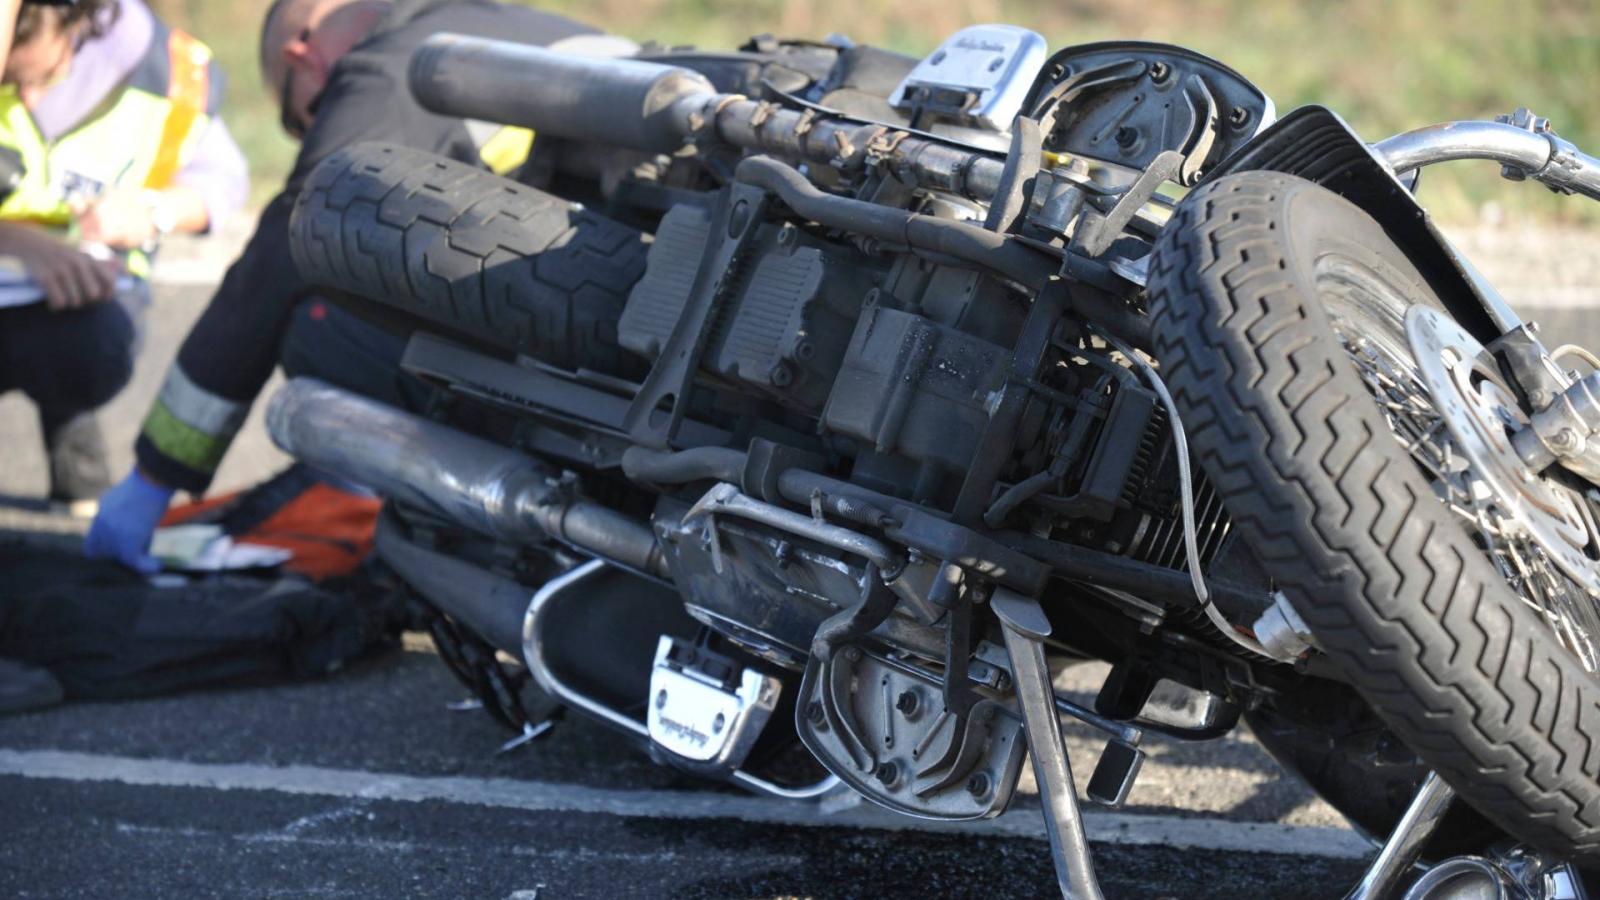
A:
978	784
1564	441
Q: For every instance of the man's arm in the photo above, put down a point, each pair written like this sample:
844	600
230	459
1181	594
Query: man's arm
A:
229	354
231	351
209	188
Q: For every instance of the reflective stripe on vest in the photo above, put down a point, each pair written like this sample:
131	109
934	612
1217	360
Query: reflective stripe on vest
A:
187	89
137	139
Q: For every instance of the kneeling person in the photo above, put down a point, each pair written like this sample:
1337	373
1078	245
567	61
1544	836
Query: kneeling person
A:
109	118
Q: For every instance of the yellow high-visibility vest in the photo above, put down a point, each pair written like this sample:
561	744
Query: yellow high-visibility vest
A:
140	137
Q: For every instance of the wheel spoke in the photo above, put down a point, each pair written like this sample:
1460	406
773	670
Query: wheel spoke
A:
1419	427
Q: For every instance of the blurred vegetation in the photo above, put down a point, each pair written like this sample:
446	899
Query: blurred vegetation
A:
1385	66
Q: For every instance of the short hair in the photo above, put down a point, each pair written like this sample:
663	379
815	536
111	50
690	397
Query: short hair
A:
32	17
266	34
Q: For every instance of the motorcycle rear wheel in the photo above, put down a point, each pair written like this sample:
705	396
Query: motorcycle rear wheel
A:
1270	296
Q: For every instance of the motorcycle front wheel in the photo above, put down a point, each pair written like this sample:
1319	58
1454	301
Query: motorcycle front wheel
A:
1279	315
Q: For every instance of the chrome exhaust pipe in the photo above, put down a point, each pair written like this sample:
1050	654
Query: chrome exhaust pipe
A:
490	606
475	483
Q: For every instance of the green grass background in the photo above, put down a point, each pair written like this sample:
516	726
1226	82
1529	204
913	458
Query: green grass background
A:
1384	66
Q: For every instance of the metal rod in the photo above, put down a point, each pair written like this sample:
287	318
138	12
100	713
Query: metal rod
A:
726	500
1541	155
1025	627
539	668
1405	843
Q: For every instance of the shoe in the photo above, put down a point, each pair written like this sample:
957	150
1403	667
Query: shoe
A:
24	687
78	470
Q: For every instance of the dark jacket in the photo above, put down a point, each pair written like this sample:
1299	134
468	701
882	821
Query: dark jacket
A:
233	348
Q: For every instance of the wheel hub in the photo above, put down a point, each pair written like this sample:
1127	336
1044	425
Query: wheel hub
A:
1481	413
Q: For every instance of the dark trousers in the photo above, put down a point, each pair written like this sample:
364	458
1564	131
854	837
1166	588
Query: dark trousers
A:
75	361
330	343
69	364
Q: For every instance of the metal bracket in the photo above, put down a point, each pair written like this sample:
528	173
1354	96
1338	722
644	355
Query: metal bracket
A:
533	652
1096	232
658	408
876	722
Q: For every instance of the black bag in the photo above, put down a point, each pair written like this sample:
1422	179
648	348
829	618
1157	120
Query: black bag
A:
105	632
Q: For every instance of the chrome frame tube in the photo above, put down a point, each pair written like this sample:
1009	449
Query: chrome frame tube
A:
727	500
533	655
1400	852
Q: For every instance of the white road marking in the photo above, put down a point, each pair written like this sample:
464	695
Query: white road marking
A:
536	796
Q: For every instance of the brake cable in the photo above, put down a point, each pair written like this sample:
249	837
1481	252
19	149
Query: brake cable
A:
1191	539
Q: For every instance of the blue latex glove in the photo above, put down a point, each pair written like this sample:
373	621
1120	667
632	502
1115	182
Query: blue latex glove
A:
127	518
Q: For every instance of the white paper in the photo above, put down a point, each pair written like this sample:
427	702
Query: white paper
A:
18	288
204	548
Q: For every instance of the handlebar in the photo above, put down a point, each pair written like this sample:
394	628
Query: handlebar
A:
1540	155
658	108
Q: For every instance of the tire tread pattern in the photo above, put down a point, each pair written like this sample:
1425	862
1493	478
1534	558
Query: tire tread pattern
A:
483	255
1411	612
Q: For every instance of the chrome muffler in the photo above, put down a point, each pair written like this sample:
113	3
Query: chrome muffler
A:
475	483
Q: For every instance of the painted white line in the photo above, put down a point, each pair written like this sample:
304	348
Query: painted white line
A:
536	796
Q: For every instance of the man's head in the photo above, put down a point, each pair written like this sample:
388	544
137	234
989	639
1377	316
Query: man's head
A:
301	41
47	38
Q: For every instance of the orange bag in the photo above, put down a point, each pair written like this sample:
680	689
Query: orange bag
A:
328	529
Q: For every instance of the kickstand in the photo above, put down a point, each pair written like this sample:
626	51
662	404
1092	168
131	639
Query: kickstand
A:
1400	852
1025	628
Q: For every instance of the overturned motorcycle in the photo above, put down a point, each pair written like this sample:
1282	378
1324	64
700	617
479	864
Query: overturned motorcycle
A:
824	397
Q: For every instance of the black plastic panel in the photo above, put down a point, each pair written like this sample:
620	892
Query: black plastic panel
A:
1124	102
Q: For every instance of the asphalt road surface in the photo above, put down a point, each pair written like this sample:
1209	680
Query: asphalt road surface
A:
367	784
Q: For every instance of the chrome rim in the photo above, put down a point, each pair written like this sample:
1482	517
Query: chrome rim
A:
1515	535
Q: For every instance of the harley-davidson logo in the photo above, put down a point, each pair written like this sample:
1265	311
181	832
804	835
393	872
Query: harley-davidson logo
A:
685	732
981	46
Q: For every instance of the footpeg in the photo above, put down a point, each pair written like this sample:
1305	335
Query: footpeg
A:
1114	775
881	726
705	710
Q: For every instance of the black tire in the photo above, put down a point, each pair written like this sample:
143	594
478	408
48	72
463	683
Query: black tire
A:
483	256
1323	732
1405	604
